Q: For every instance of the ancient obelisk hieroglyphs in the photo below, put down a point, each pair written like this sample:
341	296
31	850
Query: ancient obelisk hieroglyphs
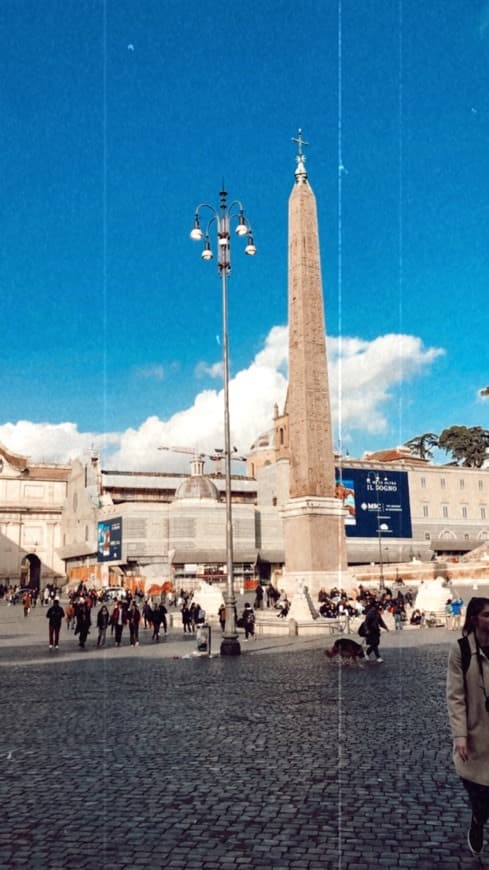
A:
315	550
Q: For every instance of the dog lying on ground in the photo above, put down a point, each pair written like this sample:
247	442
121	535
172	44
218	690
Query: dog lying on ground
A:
347	650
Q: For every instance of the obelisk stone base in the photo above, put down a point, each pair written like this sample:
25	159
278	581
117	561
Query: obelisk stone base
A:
315	550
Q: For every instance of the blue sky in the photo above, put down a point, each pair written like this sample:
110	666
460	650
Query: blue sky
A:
119	117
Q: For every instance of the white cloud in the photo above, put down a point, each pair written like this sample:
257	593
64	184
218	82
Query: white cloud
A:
363	376
53	442
214	370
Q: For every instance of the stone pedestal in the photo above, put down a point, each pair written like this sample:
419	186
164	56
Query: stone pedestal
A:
315	550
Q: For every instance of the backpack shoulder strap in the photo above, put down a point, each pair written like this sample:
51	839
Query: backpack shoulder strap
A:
466	653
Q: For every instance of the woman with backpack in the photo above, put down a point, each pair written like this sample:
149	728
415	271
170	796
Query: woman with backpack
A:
468	713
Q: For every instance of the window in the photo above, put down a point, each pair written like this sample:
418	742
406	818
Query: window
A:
481	484
466	537
443	483
423	483
425	510
427	536
462	483
274	501
464	512
483	513
445	510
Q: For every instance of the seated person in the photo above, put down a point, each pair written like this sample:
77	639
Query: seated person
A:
328	609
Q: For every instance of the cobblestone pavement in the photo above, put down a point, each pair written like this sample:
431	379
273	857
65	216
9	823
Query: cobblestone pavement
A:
154	757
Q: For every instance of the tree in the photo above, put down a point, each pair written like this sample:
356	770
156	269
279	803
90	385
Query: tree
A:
484	392
468	445
421	445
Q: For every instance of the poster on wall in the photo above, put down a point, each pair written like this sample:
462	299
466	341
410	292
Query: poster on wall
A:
109	547
376	502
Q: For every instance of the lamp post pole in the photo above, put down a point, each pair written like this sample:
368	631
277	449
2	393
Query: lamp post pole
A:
221	219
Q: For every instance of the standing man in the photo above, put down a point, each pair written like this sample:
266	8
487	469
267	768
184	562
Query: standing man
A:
259	596
457	605
55	615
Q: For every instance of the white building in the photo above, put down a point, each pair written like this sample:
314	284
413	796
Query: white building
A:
32	496
156	526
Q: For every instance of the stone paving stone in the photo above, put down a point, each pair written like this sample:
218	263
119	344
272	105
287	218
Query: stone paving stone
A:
259	762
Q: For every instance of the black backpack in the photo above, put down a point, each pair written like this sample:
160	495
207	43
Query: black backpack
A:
465	652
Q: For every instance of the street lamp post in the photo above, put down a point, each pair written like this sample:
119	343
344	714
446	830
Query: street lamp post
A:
221	219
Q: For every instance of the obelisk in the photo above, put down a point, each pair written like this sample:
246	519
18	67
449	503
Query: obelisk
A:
314	532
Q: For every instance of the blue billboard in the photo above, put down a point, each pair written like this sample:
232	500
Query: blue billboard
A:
109	538
376	502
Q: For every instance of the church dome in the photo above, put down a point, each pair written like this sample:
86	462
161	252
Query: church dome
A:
197	487
263	442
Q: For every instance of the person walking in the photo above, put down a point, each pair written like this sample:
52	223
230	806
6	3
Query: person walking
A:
399	614
222	616
102	624
27	602
186	618
118	619
133	618
156	622
248	618
468	714
83	622
163	615
373	624
55	614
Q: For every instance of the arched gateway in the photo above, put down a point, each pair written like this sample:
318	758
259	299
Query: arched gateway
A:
30	571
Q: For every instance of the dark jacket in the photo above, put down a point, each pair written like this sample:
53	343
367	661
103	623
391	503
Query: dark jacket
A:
103	619
373	624
55	615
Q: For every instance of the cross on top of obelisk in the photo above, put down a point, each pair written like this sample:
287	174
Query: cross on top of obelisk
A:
300	172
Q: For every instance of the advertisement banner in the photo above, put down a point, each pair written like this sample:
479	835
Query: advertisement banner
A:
376	502
109	547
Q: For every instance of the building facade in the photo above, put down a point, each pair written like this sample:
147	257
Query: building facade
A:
157	527
441	510
32	497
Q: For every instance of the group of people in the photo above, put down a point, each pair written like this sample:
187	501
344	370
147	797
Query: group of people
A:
125	612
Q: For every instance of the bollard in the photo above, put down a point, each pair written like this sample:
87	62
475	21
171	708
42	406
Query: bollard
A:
292	628
203	637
